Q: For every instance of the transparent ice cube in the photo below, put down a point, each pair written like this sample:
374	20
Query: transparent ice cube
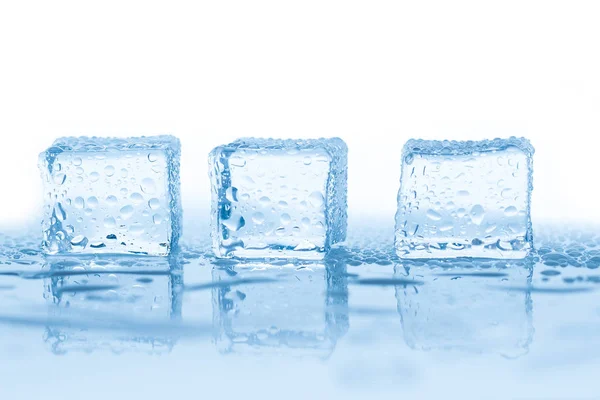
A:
481	306
121	304
111	195
278	198
283	309
465	199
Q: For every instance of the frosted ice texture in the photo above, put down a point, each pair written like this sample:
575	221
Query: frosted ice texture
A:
111	195
282	309
465	199
278	198
478	306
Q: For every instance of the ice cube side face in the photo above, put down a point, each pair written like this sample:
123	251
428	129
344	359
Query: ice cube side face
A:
278	198
465	199
113	196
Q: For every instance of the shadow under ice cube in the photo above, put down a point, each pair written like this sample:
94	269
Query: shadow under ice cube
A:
465	199
111	195
278	198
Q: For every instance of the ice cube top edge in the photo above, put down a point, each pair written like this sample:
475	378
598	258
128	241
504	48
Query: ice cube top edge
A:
456	147
93	143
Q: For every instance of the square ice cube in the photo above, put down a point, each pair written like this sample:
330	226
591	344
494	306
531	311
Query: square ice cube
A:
278	198
111	195
260	308
465	199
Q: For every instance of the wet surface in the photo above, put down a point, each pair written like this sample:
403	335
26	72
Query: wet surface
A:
361	322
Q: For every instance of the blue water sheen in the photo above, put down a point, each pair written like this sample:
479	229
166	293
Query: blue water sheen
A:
363	321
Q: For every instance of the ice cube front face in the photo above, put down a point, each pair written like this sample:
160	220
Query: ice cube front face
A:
278	198
111	195
465	199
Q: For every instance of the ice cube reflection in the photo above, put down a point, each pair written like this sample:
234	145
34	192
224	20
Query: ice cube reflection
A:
290	309
467	305
119	304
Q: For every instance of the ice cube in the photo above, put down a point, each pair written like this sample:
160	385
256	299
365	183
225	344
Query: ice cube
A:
118	304
111	195
284	309
278	198
465	199
481	306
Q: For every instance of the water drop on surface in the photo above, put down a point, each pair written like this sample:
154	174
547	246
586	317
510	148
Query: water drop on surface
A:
237	161
152	157
79	241
109	222
510	211
92	202
154	203
77	161
157	219
264	200
462	193
433	215
94	176
111	200
258	218
148	186
126	212
124	173
477	214
231	194
307	160
136	198
59	179
316	199
79	202
285	218
280	231
109	170
234	223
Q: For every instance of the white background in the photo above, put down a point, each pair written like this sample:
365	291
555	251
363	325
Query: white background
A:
374	73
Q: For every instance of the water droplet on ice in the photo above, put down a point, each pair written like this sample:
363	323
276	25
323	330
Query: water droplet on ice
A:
307	160
433	215
79	241
511	211
264	200
109	222
316	199
477	214
94	176
77	161
92	202
237	161
152	157
234	223
109	170
148	185
136	229
285	218
79	202
157	219
258	218
154	203
136	198
126	212
111	200
59	179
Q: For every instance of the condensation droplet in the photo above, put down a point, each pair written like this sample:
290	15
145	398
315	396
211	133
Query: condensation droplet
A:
433	215
285	218
511	211
126	212
157	219
79	202
77	161
316	199
148	186
109	222
234	223
237	161
258	218
92	202
477	214
59	179
94	176
109	170
136	229
79	241
152	157
111	200
307	160
154	203
136	198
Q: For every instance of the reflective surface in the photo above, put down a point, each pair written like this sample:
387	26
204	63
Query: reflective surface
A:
359	323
